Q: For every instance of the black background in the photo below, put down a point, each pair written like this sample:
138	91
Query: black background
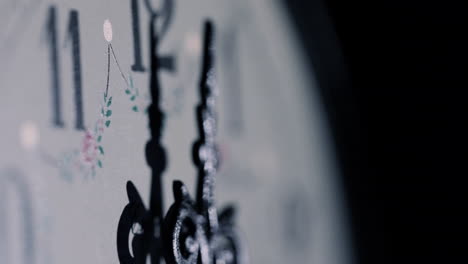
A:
392	75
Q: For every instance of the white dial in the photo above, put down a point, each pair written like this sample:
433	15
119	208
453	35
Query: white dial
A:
75	89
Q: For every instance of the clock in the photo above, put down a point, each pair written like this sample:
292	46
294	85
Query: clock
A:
169	131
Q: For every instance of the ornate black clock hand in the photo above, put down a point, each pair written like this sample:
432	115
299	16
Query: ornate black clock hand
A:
148	242
134	213
155	153
193	232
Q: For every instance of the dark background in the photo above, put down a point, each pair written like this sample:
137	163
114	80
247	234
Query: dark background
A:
392	75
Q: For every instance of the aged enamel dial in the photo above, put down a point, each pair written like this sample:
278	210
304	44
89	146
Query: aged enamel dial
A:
100	97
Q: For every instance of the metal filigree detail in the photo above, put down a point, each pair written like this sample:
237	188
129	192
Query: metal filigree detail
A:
193	232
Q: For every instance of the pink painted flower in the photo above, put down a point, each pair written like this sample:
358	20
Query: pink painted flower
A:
89	148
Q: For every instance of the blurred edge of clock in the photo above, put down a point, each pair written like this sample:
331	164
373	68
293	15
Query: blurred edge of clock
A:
392	76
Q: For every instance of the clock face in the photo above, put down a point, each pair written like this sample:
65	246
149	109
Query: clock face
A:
77	80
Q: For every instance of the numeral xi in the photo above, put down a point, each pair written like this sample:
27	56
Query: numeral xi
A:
74	34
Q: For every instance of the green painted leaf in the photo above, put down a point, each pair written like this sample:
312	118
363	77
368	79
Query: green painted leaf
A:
99	163
135	108
132	98
99	138
127	91
109	113
108	123
109	102
102	111
101	150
